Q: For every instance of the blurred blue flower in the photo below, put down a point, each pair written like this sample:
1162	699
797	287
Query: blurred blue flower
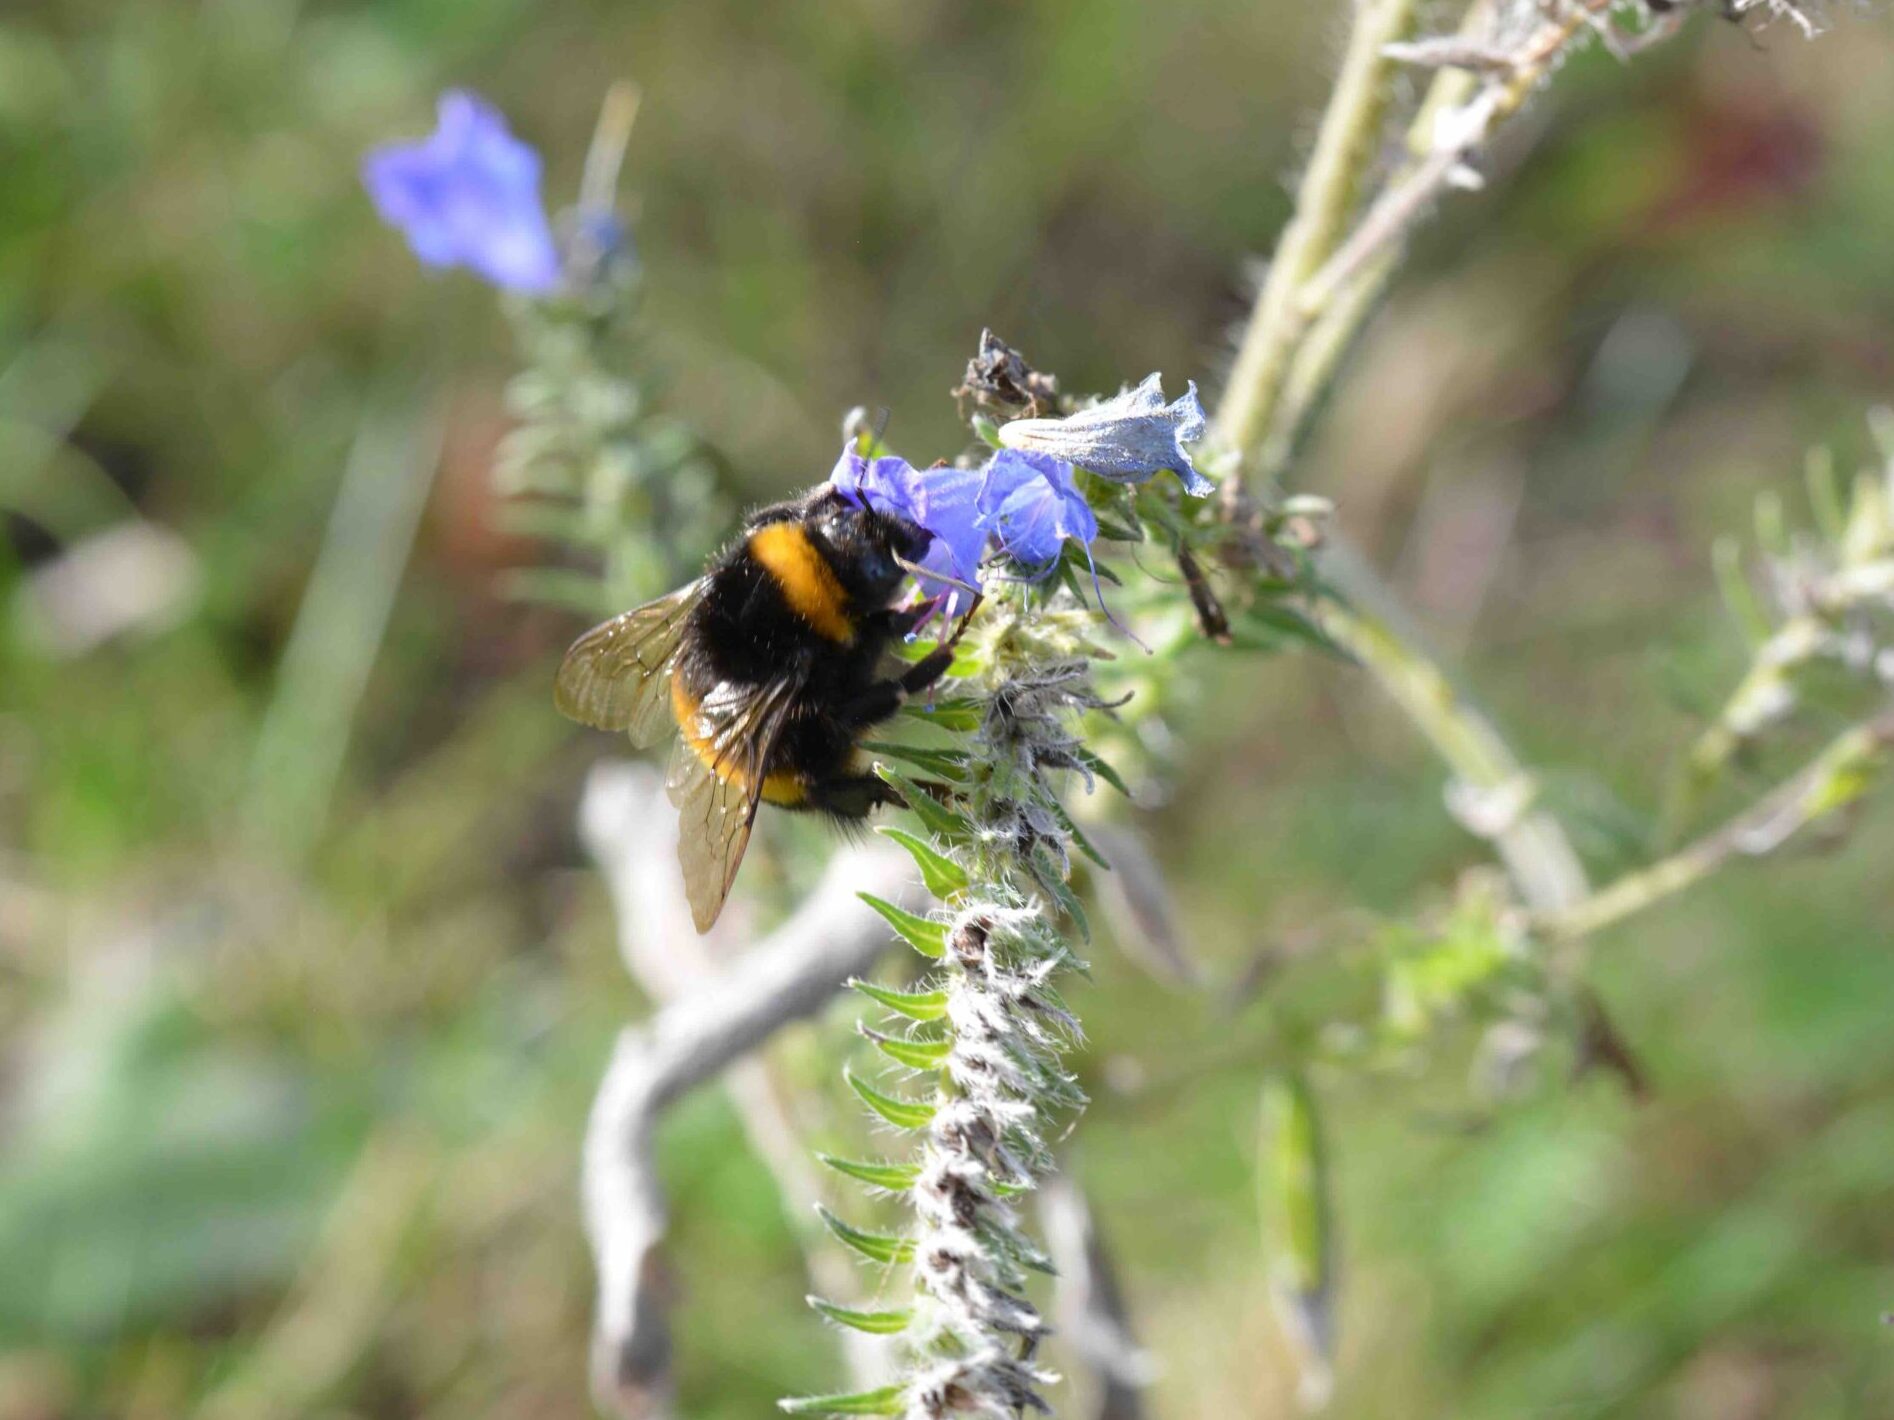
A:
468	195
940	500
1030	504
1127	439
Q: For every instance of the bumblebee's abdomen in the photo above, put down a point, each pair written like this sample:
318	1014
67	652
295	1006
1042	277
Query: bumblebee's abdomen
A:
782	784
807	582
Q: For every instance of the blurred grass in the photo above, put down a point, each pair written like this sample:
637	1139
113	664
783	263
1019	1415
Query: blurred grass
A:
297	1134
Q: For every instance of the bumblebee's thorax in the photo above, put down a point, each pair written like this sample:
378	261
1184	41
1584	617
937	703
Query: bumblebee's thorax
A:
804	575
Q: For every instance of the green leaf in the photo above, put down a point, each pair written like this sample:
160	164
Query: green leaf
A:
1739	596
949	764
1079	840
889	1400
915	1005
943	876
1103	769
877	1247
926	936
886	1323
1061	892
1295	1208
915	1054
959	713
1069	900
896	1178
937	818
902	1114
1285	622
1115	531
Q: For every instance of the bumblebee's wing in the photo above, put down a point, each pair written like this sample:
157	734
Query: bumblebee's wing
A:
618	675
716	781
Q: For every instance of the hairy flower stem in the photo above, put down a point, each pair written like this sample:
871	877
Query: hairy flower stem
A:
1003	1079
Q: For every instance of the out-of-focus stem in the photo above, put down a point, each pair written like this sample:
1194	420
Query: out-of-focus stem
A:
1323	282
1328	196
1832	780
1531	843
1759	698
598	187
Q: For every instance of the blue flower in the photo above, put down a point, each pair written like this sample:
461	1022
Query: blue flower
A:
1128	438
468	195
1030	504
940	500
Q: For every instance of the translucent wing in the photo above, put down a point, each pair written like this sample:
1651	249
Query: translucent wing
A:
618	675
716	781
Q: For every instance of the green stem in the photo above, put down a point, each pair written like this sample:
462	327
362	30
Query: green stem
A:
1832	780
1532	845
1327	198
1324	281
1758	698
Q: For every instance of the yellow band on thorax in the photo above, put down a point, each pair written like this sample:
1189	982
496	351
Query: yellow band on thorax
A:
808	583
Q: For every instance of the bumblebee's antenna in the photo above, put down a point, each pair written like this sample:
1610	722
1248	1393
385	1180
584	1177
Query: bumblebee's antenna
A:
858	421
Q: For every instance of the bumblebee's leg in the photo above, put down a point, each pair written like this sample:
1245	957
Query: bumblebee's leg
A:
881	699
896	622
854	795
899	621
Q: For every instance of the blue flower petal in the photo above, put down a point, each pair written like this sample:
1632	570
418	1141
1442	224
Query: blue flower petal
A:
940	500
1030	504
468	195
1128	438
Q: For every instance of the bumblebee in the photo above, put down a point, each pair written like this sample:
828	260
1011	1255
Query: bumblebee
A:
770	669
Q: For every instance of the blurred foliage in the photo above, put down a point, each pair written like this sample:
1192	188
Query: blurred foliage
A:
295	1133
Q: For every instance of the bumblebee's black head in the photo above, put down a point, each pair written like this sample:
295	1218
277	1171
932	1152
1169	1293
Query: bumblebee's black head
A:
862	544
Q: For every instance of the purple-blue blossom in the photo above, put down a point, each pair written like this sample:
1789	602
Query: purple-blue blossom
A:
1030	504
1128	438
938	499
468	195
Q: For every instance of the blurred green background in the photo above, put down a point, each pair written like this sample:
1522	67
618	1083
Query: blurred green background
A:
303	994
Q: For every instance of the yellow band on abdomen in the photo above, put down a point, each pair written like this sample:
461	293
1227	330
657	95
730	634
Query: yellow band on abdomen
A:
782	789
807	581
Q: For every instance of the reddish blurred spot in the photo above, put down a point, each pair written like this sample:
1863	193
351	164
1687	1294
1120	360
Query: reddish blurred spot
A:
1737	155
465	548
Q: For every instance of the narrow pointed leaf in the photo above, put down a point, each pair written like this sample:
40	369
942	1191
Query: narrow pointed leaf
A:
942	875
1114	531
1286	622
896	1178
889	1400
886	1323
1079	840
878	1247
915	1005
927	937
902	1114
944	823
915	1054
1103	769
957	713
1061	892
945	764
1297	1221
